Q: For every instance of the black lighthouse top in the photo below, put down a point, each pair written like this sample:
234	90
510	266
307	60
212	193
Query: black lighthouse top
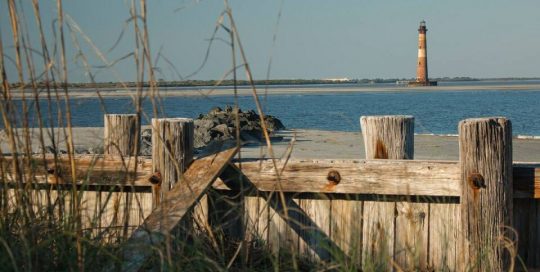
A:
422	28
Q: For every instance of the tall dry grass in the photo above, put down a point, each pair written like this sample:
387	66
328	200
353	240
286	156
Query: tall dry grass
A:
44	229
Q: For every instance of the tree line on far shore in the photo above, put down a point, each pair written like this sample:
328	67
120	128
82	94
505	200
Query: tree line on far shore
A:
202	83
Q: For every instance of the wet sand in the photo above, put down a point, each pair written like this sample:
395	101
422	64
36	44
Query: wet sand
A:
317	144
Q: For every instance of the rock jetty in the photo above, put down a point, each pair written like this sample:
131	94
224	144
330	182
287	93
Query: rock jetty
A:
220	125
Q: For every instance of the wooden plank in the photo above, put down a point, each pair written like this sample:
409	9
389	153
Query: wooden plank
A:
396	177
256	214
137	207
411	248
175	205
524	224
384	177
201	215
317	220
526	180
378	235
226	214
94	173
274	229
533	260
82	186
282	236
292	238
346	229
444	241
104	173
100	163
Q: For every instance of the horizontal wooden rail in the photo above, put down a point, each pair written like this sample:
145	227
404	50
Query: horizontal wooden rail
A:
83	186
94	173
383	177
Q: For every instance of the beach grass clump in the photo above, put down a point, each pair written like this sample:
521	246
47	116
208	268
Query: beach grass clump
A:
43	243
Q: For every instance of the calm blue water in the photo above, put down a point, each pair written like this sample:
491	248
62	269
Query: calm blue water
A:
436	112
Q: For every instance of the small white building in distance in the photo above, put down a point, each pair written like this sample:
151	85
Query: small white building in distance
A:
345	79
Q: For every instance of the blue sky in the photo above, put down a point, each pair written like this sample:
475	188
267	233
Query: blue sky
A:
315	39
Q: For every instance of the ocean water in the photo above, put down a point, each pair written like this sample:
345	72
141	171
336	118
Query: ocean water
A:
435	112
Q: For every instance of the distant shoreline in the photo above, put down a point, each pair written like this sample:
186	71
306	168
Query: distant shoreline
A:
270	82
278	90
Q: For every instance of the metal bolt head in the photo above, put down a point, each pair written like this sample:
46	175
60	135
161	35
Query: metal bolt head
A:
155	178
476	181
333	177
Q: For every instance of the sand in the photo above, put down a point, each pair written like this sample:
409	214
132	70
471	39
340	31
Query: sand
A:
244	91
317	144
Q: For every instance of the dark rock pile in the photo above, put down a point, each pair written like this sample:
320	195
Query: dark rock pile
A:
146	142
220	125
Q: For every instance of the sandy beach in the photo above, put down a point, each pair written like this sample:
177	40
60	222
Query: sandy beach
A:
318	144
244	90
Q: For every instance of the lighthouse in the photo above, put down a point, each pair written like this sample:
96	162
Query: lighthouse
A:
422	66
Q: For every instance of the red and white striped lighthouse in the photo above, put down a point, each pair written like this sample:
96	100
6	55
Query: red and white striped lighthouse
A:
422	78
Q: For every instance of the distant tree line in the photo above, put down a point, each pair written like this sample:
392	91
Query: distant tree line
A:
201	83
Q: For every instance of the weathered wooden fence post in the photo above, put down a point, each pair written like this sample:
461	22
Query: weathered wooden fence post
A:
392	137
172	151
388	137
485	148
121	134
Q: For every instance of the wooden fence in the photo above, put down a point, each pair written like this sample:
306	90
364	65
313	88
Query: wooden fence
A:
386	212
418	214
